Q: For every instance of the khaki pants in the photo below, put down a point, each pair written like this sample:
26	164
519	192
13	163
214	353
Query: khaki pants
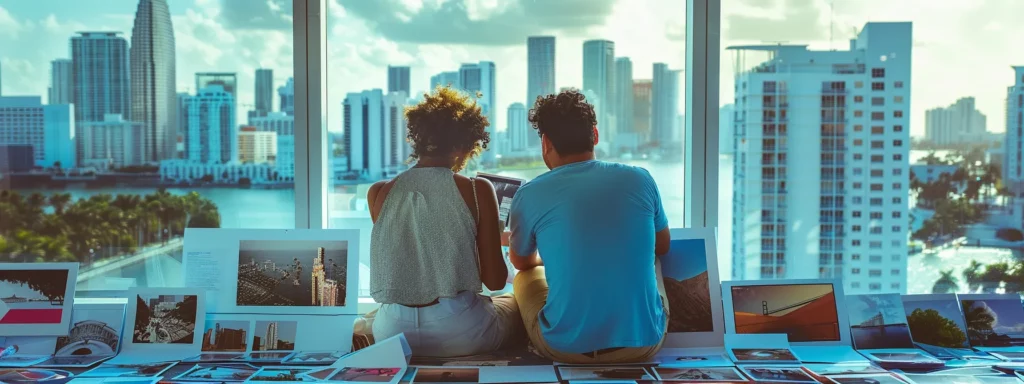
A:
531	292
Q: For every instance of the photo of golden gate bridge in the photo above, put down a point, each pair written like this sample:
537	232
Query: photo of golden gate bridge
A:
805	312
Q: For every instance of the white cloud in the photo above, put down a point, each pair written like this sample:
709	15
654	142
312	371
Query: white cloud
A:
8	25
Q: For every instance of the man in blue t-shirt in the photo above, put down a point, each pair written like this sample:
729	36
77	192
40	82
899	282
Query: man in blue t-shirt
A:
595	296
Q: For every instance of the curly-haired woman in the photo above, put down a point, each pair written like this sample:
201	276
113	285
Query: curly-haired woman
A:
437	237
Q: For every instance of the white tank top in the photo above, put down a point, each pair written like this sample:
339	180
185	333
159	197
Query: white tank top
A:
423	245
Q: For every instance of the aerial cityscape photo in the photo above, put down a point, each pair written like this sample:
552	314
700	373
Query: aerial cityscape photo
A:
836	129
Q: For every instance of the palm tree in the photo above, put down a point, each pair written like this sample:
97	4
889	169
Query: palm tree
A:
972	276
59	201
947	283
994	275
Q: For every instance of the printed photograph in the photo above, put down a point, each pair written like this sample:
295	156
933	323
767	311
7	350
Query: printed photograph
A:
34	296
878	322
214	357
274	336
129	370
743	354
866	379
93	332
994	322
936	323
73	361
265	357
805	312
221	372
282	374
917	378
447	375
901	356
32	375
225	336
292	273
699	374
603	373
165	319
713	360
779	374
685	272
314	358
843	369
520	356
367	375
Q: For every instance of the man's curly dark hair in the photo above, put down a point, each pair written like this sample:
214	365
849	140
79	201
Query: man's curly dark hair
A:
447	122
567	120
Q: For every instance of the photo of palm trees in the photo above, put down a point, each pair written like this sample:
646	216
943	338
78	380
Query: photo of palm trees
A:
805	312
997	322
936	322
684	270
878	322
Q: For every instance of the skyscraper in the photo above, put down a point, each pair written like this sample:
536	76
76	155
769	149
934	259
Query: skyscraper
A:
363	135
627	138
518	129
480	77
642	92
100	80
153	80
264	101
287	95
24	120
317	278
396	149
957	123
445	79
270	340
255	146
540	67
212	132
1013	145
821	176
398	79
112	143
664	105
60	82
599	77
228	82
181	110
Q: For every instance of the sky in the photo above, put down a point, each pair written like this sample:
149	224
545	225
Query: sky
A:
1009	316
749	298
861	308
961	48
685	259
20	290
285	330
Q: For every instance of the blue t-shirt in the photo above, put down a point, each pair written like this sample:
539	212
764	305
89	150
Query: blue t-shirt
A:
594	224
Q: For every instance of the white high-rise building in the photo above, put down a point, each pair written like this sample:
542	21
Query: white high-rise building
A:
49	129
480	77
60	82
100	77
956	124
212	133
821	174
112	143
1013	144
518	129
256	147
280	122
396	149
664	105
599	78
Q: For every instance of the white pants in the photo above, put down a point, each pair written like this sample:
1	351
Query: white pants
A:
467	324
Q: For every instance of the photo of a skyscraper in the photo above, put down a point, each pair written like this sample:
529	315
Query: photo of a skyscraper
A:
274	336
225	336
292	273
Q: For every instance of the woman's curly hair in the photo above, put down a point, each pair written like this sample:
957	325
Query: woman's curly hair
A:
447	122
567	120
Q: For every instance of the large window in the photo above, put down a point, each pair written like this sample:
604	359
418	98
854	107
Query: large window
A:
382	56
951	182
166	114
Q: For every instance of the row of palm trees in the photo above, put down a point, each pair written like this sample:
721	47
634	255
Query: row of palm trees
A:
39	228
958	198
984	278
